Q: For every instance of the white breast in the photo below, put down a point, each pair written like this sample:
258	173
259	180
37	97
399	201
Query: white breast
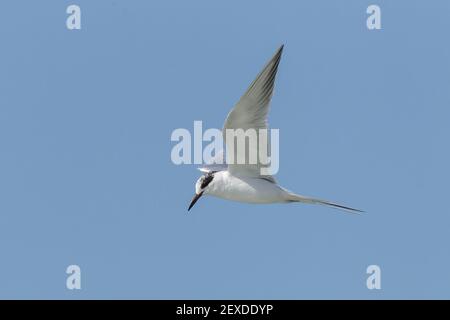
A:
245	189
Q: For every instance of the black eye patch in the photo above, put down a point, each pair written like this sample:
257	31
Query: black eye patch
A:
206	181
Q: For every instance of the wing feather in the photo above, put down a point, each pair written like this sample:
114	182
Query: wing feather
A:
251	112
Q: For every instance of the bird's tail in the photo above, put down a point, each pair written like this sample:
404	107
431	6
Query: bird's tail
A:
292	197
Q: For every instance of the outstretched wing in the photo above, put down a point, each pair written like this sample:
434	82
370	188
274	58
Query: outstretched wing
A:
251	112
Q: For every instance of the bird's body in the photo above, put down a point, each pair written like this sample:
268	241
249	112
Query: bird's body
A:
245	189
244	182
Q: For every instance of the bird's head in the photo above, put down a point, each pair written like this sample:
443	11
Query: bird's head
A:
201	186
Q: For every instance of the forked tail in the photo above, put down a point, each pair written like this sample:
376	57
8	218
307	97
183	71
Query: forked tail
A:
292	197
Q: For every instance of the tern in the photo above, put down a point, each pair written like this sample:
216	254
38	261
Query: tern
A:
244	182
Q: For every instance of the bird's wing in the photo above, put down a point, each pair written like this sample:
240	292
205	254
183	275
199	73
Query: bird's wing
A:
251	112
218	163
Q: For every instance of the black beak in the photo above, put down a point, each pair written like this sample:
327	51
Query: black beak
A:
195	199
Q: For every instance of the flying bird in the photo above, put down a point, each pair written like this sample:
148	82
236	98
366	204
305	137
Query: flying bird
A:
244	182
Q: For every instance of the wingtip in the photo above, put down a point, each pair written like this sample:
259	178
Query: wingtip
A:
280	49
277	56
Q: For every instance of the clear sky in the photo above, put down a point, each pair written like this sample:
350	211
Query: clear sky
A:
86	176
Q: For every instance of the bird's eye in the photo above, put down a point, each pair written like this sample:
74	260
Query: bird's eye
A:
206	180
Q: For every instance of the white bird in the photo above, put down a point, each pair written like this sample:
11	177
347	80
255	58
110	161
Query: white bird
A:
244	182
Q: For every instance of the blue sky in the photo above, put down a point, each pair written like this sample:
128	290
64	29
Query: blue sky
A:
85	170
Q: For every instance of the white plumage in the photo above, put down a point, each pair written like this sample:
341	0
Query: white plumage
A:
244	182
